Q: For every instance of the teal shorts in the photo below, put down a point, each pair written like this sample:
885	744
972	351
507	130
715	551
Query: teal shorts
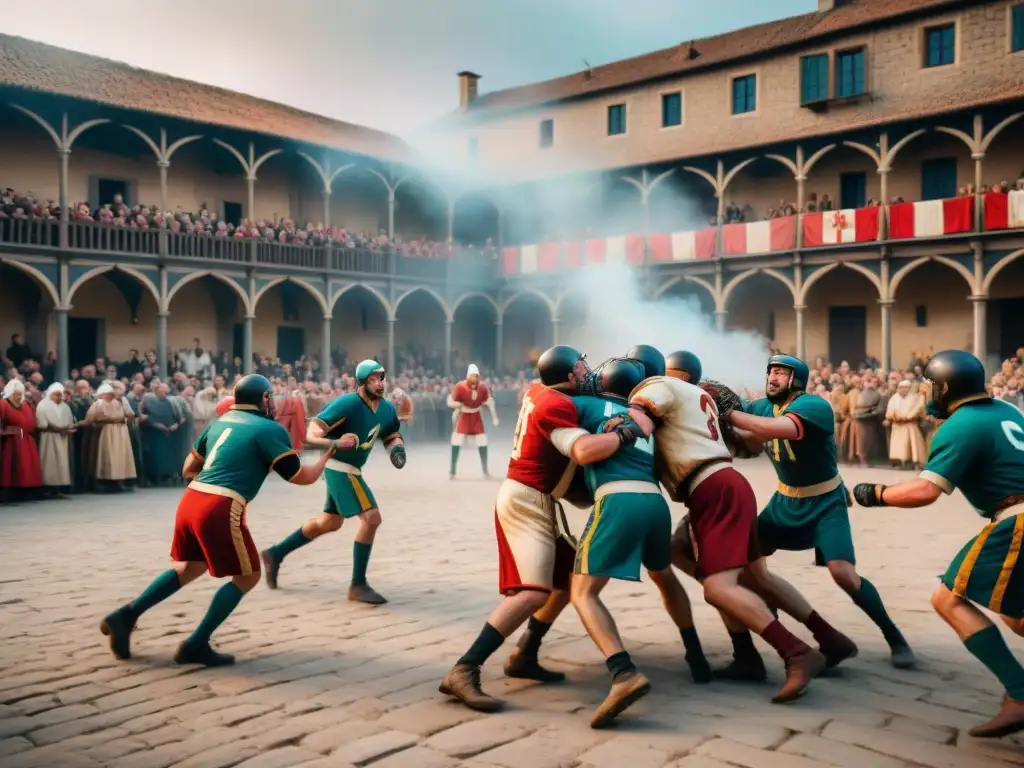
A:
988	570
624	532
821	523
347	495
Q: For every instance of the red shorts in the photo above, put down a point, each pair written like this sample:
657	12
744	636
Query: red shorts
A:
723	516
531	554
211	528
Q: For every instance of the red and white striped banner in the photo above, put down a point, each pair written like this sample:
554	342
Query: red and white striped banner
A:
616	250
1004	211
684	246
547	257
847	226
931	218
759	236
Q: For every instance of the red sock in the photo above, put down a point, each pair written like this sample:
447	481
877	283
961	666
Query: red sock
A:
785	643
823	631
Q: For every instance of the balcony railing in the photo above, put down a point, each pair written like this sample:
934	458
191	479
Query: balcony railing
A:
44	235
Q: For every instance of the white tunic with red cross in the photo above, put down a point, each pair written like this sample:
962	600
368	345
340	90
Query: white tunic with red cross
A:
468	400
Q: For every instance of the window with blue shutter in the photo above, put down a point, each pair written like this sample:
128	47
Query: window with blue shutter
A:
940	45
671	109
814	78
744	94
616	119
849	73
853	190
938	178
1017	28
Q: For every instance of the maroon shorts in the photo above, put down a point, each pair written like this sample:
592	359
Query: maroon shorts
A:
723	516
211	529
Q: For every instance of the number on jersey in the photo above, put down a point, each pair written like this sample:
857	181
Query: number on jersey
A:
646	445
522	426
212	455
371	439
1014	434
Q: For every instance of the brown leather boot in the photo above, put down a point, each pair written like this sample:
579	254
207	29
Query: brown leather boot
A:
1009	720
838	649
463	682
800	670
748	669
364	593
526	666
626	689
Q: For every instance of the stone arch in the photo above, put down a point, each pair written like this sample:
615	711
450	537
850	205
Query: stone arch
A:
905	269
192	276
546	300
665	287
384	303
475	318
476	294
298	281
732	284
140	276
39	277
448	314
998	267
812	279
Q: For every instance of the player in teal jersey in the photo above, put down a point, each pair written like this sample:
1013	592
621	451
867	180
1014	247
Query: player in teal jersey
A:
979	448
351	424
229	462
809	509
629	527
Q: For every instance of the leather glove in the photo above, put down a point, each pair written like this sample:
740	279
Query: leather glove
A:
725	399
629	432
869	494
398	456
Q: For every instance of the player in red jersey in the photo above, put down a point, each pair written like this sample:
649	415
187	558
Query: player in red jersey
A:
534	563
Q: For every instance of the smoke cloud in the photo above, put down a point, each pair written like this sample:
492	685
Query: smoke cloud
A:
618	316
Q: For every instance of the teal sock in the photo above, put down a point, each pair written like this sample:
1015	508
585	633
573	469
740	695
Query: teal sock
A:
360	559
483	457
455	459
225	600
988	647
289	544
869	601
162	587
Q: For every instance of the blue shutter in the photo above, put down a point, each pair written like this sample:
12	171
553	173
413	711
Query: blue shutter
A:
850	73
938	178
813	78
1017	25
853	190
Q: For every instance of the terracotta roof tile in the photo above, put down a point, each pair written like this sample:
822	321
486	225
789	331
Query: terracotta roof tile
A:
37	66
714	51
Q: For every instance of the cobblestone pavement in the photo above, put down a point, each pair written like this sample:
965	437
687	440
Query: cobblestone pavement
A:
324	682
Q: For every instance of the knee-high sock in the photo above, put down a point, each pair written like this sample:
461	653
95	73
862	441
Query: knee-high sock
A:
486	643
162	587
225	600
869	601
535	631
990	649
289	544
360	559
455	459
483	457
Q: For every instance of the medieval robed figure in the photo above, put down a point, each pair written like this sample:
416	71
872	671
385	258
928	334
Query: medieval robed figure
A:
55	424
83	440
115	462
904	413
159	442
20	475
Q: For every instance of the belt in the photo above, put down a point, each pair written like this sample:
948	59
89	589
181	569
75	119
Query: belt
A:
810	491
217	490
341	466
626	486
689	483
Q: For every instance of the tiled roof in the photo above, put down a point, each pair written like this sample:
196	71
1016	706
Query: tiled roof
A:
40	67
714	51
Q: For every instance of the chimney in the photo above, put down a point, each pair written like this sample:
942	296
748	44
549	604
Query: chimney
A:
824	6
467	89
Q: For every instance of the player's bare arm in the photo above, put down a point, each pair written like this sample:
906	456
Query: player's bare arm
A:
316	434
295	472
919	492
764	428
193	465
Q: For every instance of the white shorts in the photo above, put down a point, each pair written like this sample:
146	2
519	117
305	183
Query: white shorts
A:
459	439
531	554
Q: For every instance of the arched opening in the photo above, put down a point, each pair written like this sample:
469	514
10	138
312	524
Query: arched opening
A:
474	339
682	202
931	313
932	166
621	210
26	309
33	168
1004	157
421	212
359	328
210	311
761	190
1005	315
288	323
763	305
419	334
476	220
107	161
842	178
526	331
111	314
573	312
692	295
842	321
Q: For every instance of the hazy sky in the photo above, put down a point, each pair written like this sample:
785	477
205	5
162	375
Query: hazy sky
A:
389	64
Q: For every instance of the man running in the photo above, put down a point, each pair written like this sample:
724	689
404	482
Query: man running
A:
229	462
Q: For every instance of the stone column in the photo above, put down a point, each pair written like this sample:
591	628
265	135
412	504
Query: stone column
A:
391	346
391	212
886	306
65	158
555	330
63	364
247	364
720	316
161	343
325	351
447	347
801	336
980	326
499	346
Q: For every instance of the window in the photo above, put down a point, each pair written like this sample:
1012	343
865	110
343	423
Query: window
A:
853	190
814	78
849	73
471	149
744	94
547	134
921	316
938	178
1017	28
671	109
940	45
616	119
